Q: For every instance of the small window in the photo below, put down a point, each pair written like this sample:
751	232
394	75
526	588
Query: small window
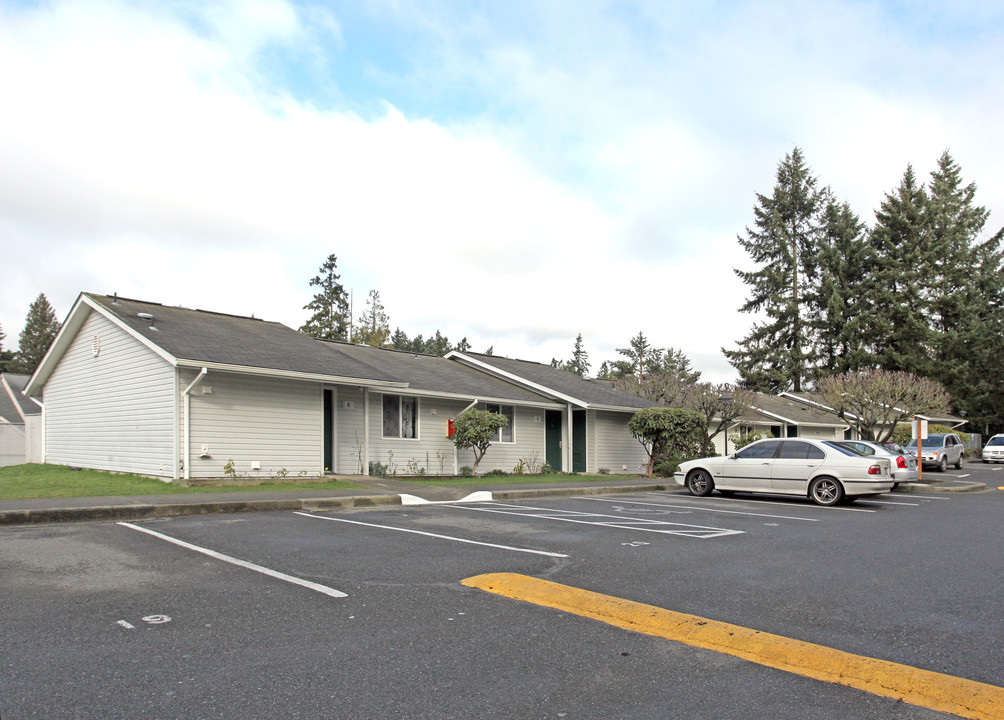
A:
400	416
509	413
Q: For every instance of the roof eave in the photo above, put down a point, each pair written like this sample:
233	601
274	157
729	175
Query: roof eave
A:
515	379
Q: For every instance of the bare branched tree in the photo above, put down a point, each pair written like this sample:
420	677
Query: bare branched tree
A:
720	404
875	401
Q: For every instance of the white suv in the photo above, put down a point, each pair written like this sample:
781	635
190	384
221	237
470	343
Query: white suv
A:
939	449
994	449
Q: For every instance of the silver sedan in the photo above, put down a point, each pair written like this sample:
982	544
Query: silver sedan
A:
904	463
819	469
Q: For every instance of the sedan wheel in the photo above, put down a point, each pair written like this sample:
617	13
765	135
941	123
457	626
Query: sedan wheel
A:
826	491
699	483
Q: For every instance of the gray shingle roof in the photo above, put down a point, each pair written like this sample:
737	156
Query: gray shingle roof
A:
15	383
207	337
798	412
436	374
589	392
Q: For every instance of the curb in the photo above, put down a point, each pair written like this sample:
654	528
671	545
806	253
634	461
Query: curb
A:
931	488
143	511
117	513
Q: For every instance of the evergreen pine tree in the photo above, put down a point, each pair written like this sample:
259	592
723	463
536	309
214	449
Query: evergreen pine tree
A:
40	328
399	340
374	324
773	356
580	358
438	344
900	333
837	311
6	356
463	345
330	306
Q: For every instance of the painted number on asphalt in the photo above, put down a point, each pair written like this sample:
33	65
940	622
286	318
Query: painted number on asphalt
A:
149	620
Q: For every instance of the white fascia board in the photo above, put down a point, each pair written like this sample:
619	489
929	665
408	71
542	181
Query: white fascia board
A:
616	408
290	374
515	379
543	404
776	416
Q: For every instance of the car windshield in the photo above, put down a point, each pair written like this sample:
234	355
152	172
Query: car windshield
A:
841	449
929	441
997	440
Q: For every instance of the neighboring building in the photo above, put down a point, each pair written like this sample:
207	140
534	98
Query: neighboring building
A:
175	393
781	416
815	401
20	422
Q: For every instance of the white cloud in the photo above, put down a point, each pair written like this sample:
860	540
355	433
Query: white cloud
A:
595	181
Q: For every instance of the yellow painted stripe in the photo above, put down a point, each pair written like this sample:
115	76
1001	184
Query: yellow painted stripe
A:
924	688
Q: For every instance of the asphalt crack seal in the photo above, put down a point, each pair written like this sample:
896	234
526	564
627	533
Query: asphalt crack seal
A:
935	691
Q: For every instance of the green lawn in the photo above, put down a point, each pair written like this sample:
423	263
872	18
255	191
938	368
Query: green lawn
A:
50	481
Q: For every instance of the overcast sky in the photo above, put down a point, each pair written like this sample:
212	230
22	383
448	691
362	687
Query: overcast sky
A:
512	172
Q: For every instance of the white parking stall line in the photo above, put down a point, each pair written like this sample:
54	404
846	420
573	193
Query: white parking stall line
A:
324	589
778	501
702	532
434	535
890	502
702	509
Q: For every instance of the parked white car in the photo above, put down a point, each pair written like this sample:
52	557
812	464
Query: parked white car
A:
993	451
939	450
818	469
904	463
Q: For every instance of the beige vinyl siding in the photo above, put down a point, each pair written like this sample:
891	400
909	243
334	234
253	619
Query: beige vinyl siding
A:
274	422
612	447
11	444
432	451
528	436
114	411
351	459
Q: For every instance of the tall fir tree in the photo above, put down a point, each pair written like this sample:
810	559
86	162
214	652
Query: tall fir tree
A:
374	323
836	302
330	306
784	246
900	334
40	329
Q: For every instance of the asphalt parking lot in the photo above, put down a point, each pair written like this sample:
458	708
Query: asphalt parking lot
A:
363	614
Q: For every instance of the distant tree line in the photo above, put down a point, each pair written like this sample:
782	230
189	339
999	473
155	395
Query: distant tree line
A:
331	319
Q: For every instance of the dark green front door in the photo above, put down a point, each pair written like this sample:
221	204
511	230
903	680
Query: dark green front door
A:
329	430
579	441
552	439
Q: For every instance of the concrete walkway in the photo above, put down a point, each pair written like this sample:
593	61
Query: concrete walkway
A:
371	491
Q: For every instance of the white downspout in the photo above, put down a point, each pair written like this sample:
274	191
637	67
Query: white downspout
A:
188	421
366	431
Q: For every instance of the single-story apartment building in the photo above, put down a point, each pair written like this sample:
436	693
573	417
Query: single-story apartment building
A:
176	393
20	422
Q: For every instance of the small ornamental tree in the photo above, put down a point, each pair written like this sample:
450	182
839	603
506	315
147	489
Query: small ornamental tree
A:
475	430
667	432
874	402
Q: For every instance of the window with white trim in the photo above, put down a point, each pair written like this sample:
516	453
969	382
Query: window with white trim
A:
506	434
400	416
